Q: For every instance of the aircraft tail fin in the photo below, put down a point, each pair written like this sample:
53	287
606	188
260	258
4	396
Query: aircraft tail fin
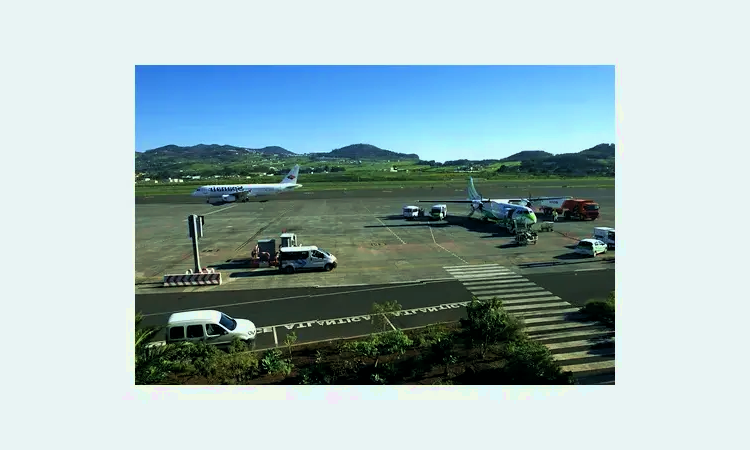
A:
291	177
472	191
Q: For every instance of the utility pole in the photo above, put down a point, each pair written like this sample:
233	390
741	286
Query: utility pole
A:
195	231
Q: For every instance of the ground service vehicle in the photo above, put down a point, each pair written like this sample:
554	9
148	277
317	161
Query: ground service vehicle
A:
412	212
591	247
211	327
289	240
568	207
309	257
606	235
438	212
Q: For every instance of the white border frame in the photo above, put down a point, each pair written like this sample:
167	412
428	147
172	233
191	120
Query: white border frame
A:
69	114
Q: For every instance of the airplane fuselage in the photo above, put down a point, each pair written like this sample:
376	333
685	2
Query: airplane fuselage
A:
500	210
248	190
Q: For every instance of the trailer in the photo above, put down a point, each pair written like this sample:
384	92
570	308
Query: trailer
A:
265	252
570	208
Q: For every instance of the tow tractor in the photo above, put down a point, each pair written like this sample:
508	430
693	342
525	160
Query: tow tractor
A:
525	235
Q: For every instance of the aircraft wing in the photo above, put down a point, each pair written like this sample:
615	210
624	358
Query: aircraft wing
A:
535	199
446	201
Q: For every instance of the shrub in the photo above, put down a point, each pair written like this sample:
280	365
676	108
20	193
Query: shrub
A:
152	363
530	362
289	341
273	363
602	311
235	368
429	334
393	342
488	324
237	346
442	351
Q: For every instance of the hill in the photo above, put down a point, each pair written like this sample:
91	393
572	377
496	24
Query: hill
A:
527	155
171	158
601	151
365	151
211	150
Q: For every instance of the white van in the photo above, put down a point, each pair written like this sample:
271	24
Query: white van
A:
209	326
591	247
307	257
410	212
606	235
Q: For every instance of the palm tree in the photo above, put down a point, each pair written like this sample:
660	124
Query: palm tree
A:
150	360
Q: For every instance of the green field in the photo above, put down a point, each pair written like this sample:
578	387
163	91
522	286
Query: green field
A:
319	182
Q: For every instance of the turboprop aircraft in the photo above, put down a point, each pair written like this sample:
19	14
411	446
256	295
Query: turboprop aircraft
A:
507	212
243	192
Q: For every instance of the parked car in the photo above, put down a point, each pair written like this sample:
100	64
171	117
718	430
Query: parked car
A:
591	247
209	326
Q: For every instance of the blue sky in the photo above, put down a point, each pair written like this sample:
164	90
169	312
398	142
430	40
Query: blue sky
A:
438	112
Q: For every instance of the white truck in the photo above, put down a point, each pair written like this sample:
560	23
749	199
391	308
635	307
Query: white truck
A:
606	235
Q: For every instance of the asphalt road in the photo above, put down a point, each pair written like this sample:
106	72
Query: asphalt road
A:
578	286
316	314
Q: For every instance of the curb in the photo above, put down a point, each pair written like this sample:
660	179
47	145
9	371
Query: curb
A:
562	263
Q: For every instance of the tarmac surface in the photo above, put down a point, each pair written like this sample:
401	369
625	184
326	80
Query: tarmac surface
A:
364	230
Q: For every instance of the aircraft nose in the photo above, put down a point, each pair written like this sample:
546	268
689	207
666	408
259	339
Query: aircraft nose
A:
532	216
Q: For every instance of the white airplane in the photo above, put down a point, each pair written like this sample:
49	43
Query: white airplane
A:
243	192
504	211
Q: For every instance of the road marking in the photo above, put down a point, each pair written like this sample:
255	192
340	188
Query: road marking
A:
562	326
588	270
469	284
504	291
487	276
478	270
524	315
214	212
584	354
569	344
487	271
513	296
537	306
469	266
532	300
386	226
557	318
435	242
275	337
593	334
389	322
609	364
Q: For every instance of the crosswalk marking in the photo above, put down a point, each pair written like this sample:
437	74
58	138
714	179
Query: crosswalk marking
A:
599	365
515	288
548	319
550	298
509	280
